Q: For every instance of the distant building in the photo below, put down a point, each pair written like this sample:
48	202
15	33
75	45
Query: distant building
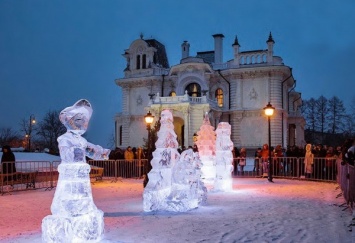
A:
235	91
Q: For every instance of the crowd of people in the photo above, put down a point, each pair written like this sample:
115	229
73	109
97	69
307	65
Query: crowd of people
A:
317	161
308	161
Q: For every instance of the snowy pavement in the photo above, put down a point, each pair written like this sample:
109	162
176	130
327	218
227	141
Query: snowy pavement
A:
256	211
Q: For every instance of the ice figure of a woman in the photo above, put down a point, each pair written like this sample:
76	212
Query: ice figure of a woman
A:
75	217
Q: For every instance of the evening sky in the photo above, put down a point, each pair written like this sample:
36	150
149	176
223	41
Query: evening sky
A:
53	53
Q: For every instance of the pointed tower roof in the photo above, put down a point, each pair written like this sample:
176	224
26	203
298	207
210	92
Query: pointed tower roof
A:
270	39
236	43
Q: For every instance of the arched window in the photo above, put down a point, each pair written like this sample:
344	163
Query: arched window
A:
219	97
194	90
138	61
144	61
172	93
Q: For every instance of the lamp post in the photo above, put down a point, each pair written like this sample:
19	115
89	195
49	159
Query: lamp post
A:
32	122
269	111
148	120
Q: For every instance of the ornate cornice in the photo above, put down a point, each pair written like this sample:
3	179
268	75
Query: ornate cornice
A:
135	83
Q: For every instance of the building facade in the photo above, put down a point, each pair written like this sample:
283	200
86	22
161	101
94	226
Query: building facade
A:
233	91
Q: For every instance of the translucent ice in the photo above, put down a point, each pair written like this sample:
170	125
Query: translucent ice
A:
164	158
224	158
174	181
206	143
188	191
75	218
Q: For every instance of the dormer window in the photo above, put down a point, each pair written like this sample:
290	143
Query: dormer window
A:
219	97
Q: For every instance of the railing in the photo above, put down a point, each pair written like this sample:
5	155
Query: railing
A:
179	99
44	174
28	175
323	169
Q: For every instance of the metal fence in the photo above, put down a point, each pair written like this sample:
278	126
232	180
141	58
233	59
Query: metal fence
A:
44	174
29	175
323	169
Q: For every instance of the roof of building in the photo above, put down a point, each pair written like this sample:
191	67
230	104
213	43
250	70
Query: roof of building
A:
207	56
161	57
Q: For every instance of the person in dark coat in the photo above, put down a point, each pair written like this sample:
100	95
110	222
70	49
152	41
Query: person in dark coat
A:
7	162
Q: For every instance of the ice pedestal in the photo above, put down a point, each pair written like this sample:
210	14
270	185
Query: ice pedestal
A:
75	217
223	180
208	170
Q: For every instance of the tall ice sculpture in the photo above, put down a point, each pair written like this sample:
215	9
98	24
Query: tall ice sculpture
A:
164	159
206	144
224	158
75	218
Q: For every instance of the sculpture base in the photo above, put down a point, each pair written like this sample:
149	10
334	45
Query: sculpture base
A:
83	228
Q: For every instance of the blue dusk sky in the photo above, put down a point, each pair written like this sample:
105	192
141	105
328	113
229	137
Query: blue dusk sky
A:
55	52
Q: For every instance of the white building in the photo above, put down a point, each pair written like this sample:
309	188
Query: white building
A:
235	91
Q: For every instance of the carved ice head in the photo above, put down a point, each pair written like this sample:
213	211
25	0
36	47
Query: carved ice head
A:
76	117
166	117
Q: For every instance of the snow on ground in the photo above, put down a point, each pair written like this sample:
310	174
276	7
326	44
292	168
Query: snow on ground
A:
256	211
27	156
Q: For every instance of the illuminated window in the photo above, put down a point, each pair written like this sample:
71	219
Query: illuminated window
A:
194	90
172	93
219	97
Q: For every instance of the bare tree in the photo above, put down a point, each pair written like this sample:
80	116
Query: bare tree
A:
49	129
321	112
351	118
9	137
308	110
336	115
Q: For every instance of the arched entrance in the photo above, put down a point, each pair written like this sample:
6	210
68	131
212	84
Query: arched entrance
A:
179	130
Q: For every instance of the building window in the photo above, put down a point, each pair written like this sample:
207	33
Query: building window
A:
219	97
172	93
144	61
138	61
120	136
194	90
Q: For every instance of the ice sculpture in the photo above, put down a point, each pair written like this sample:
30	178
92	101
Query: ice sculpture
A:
164	158
206	144
224	158
75	218
188	191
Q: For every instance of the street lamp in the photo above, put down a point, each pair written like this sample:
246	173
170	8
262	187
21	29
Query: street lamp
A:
148	120
194	137
269	111
32	122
